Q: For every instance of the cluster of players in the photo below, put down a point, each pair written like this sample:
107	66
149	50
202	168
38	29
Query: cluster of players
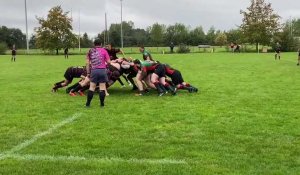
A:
148	74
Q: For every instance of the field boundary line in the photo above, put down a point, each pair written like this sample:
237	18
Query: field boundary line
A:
39	135
31	157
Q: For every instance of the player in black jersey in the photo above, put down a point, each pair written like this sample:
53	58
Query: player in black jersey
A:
177	79
71	72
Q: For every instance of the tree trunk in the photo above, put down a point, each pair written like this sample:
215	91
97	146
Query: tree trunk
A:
56	51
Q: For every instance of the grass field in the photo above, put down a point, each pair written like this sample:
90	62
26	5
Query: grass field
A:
245	120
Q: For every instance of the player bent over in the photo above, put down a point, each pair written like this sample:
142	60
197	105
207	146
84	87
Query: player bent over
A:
177	79
71	72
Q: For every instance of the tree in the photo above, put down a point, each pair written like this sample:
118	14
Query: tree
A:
156	32
286	37
260	23
85	42
55	32
197	36
211	36
234	36
12	36
32	42
141	37
221	39
177	34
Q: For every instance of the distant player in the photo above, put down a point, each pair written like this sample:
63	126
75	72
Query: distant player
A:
13	53
146	55
298	57
277	51
66	51
71	72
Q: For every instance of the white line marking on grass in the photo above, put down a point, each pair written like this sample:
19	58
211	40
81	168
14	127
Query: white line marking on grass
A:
30	157
38	136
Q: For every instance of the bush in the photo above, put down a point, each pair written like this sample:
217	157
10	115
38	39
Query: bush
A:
3	48
182	48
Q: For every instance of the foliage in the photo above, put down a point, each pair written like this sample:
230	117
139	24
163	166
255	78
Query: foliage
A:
197	36
55	32
85	41
157	32
260	23
183	48
12	36
177	34
234	36
289	36
221	39
211	35
3	48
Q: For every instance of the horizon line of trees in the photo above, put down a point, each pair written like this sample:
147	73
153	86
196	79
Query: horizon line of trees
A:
260	25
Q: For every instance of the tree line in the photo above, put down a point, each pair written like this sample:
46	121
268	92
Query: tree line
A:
260	25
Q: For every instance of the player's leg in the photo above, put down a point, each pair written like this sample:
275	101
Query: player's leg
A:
90	94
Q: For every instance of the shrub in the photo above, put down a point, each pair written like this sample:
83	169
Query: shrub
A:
183	48
3	48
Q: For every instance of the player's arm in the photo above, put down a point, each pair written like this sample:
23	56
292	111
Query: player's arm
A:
87	62
121	51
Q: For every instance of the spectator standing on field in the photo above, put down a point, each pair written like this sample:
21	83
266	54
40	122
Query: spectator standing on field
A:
13	53
66	51
172	47
96	60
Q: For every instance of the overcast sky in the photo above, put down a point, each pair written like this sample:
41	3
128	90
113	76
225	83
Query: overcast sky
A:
222	14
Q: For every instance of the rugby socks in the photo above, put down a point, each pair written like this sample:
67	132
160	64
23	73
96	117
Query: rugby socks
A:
170	88
120	81
102	97
77	88
89	98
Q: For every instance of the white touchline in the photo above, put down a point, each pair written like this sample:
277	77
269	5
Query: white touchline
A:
38	136
94	159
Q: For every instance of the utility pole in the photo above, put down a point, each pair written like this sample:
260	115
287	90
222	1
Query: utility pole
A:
79	33
27	40
121	25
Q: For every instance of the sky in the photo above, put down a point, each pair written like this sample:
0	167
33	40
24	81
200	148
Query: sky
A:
222	14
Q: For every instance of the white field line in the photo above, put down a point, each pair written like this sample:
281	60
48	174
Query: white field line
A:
29	157
38	136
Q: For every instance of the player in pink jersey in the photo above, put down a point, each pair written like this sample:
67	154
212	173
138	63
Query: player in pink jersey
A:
96	60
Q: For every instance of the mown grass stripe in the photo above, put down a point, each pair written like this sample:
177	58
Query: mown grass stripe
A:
90	159
38	136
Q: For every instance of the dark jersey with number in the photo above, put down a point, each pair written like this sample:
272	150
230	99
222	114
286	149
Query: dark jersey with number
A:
113	53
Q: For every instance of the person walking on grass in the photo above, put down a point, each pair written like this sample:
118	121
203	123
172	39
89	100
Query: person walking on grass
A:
277	51
96	60
13	53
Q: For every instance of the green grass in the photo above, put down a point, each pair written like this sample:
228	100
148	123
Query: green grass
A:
245	120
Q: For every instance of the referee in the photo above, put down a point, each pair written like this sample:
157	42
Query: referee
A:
96	60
